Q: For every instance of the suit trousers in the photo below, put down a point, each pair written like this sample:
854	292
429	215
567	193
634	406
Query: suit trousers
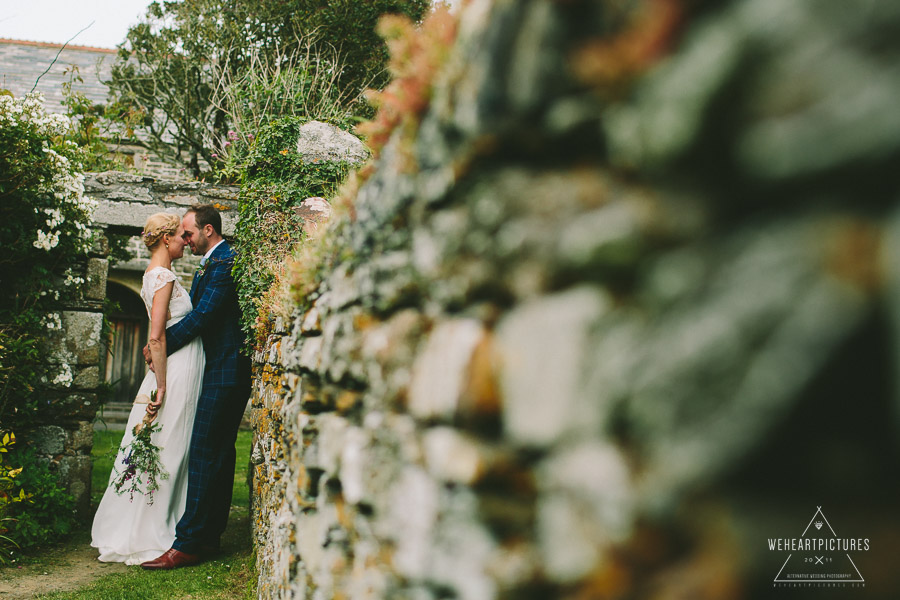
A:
211	467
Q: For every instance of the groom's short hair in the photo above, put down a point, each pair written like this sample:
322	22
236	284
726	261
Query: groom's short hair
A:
206	214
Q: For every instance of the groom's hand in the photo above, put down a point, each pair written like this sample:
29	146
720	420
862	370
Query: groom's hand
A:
147	358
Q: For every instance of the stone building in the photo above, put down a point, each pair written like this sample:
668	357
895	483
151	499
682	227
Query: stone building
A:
22	66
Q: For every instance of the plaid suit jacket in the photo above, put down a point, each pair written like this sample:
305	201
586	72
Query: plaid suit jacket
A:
216	319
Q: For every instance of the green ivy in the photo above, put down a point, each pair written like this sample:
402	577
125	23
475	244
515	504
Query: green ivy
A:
275	179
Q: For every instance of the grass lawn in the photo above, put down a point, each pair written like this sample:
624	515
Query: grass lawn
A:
231	576
107	442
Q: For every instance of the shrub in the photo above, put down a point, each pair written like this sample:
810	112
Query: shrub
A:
417	53
46	511
274	87
8	496
44	233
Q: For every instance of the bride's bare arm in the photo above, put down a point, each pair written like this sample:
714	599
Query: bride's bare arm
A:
158	315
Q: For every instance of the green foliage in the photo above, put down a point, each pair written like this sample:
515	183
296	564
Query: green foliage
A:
118	248
45	237
8	496
276	179
302	85
350	26
48	512
176	67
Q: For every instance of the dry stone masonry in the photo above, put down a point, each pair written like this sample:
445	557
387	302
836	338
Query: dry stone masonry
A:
632	313
126	200
64	433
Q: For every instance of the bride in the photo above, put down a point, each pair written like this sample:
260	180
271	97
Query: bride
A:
134	532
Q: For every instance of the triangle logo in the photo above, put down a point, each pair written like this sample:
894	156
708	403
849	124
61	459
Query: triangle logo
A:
819	556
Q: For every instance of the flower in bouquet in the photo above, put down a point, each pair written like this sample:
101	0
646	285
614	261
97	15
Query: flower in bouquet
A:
142	469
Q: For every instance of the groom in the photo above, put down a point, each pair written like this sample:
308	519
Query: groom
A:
223	397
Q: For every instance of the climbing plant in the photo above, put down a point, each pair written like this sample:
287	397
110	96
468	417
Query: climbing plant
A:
276	179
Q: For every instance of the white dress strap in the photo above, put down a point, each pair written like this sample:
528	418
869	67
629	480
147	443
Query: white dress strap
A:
159	277
154	279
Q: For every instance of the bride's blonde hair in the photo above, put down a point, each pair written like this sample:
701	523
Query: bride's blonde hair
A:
158	225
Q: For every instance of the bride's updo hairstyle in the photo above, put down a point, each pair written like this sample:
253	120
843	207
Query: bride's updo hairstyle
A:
158	225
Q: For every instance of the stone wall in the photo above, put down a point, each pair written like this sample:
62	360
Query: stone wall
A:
64	434
632	313
126	200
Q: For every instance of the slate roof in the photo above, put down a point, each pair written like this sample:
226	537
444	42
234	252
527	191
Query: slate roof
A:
22	62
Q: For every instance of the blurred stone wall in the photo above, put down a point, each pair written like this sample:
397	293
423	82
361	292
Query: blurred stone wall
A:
633	313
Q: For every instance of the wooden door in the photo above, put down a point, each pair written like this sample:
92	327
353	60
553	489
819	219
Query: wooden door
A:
125	368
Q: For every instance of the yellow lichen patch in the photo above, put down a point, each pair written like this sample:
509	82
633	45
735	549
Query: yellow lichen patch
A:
343	514
481	396
854	254
364	321
347	401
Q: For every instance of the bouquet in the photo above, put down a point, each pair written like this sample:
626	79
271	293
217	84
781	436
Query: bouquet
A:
142	466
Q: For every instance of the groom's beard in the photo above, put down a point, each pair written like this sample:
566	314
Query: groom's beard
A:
199	249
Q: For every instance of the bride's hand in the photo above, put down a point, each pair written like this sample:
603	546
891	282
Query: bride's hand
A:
153	407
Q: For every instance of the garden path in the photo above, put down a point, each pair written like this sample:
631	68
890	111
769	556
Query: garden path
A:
62	568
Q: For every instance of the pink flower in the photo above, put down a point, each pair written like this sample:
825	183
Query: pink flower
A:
227	144
232	135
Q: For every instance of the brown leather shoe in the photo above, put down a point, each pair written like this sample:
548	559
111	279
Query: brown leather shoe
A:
172	559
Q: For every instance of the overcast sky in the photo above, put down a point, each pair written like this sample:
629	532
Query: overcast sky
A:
58	20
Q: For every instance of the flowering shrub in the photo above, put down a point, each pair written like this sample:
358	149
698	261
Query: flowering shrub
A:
8	496
45	236
43	512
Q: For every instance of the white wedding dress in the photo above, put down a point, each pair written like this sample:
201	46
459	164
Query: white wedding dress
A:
135	532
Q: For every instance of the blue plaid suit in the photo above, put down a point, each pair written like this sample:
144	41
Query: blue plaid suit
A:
223	397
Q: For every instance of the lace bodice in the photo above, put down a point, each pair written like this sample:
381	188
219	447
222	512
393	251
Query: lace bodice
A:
157	277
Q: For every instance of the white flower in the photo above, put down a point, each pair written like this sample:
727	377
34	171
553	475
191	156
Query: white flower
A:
46	241
64	377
